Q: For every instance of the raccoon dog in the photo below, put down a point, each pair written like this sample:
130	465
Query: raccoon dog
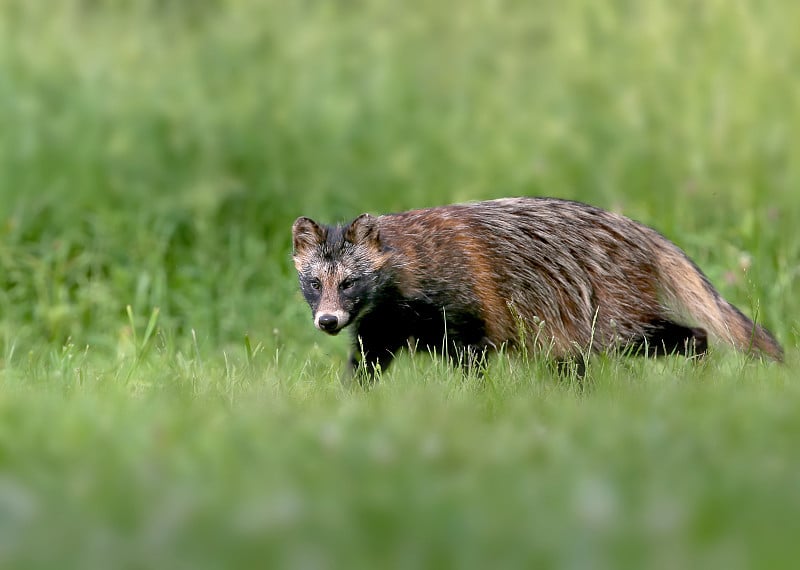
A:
539	274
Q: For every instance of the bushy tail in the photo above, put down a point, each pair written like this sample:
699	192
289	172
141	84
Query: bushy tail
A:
752	337
689	293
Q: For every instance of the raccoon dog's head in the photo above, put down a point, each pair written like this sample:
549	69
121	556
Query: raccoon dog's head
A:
339	269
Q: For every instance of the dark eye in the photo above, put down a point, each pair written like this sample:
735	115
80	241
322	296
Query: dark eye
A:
347	284
316	285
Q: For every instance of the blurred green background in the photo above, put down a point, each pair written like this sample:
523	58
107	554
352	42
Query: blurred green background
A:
164	397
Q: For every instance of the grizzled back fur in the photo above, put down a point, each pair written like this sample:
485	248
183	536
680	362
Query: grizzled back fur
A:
463	278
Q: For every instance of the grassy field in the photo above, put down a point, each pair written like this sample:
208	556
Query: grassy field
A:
165	400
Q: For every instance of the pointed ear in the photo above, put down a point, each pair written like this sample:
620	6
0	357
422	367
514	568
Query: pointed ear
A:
364	231
306	233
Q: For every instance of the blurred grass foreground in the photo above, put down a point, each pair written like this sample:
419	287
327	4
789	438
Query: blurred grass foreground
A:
164	398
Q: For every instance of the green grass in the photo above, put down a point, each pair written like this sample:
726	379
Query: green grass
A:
165	400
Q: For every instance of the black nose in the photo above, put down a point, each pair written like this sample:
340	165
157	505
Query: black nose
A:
328	322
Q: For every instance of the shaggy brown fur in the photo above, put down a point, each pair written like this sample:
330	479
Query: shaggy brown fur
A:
553	275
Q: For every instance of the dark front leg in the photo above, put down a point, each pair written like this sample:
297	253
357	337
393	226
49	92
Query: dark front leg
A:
366	360
472	358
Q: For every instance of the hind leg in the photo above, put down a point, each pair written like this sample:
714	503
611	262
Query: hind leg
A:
666	337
